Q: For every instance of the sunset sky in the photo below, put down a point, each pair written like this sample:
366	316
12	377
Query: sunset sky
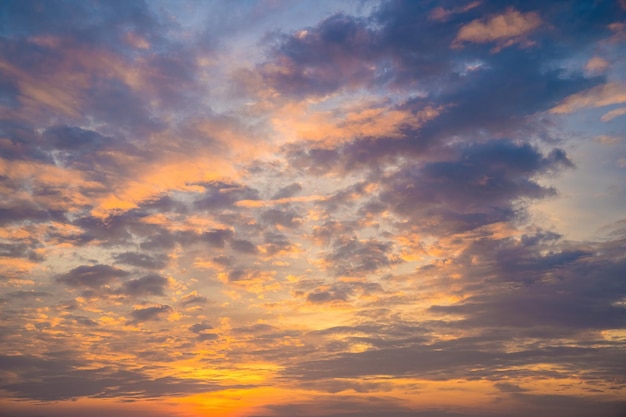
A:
281	208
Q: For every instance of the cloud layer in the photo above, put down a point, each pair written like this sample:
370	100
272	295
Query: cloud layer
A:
278	208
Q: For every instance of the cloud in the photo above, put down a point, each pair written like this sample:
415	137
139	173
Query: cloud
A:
442	14
204	337
251	280
92	277
324	296
548	287
343	291
610	115
488	106
510	26
113	230
479	187
219	195
508	387
332	229
194	298
438	364
243	246
200	327
403	42
105	25
345	405
276	243
598	96
286	218
53	193
152	284
344	52
20	250
217	237
596	65
255	329
352	257
373	406
149	313
321	59
287	191
141	260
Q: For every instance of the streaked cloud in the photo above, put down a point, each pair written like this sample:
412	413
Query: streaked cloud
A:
612	114
508	28
599	96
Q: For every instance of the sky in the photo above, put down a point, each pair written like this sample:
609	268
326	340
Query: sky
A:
281	208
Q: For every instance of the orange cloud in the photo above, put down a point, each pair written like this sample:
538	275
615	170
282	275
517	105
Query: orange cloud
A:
613	114
305	121
441	14
280	201
598	96
508	28
596	65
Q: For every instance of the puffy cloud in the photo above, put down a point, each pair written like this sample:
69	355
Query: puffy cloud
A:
325	296
353	257
318	61
149	313
152	284
220	195
194	298
217	237
288	191
480	187
489	105
23	296
142	260
508	387
286	218
200	327
243	246
204	337
93	277
332	229
607	140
